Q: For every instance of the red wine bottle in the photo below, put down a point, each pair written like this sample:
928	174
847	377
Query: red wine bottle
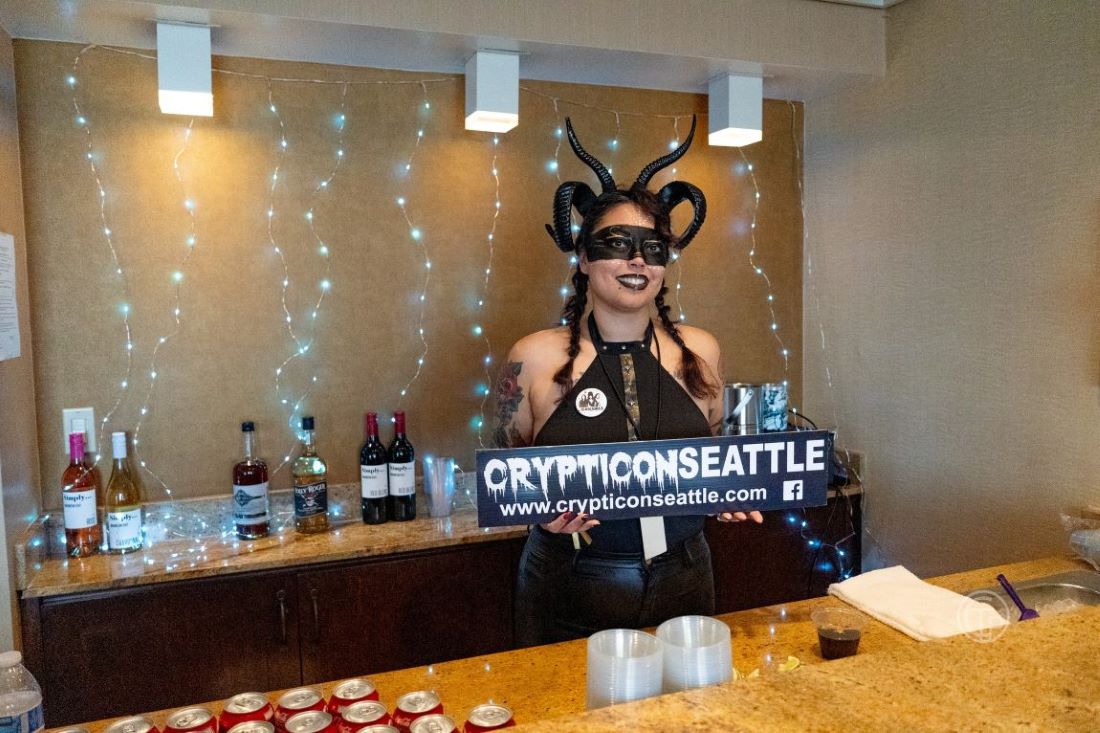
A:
402	473
373	474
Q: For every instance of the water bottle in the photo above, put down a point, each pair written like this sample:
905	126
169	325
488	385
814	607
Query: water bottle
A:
20	697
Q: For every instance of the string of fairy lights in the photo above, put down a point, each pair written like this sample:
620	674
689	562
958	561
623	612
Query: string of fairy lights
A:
416	235
554	166
177	278
301	345
745	167
479	331
302	331
90	154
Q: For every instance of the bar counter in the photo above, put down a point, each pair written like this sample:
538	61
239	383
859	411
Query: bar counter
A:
1038	675
43	570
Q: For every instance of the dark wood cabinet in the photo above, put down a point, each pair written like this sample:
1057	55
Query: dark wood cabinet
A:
782	560
392	614
112	653
106	654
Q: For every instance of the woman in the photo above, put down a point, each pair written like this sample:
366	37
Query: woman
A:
578	575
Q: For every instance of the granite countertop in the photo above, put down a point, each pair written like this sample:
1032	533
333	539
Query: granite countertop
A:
1038	676
192	539
210	548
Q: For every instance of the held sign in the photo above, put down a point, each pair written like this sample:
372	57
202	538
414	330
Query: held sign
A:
651	478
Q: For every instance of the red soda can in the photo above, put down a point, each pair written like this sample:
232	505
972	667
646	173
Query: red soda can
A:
253	726
434	723
361	714
244	708
132	724
413	705
350	691
378	729
489	716
311	721
298	700
191	720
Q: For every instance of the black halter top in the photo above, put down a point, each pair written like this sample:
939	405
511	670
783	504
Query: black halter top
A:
636	385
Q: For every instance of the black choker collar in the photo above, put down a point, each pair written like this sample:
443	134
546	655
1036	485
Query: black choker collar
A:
618	347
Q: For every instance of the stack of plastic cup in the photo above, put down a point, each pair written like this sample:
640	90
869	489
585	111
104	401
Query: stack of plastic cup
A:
697	652
623	665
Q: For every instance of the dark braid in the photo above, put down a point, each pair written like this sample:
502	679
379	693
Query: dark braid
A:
698	383
572	314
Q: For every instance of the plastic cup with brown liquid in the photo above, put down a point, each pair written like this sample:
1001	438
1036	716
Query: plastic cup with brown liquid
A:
838	631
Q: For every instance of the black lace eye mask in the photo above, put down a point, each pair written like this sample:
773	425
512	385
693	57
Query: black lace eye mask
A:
580	196
625	242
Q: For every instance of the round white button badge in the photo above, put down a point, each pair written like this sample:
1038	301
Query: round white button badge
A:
591	402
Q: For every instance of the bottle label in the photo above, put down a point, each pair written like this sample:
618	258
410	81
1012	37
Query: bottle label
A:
374	481
311	499
79	509
124	529
250	503
28	722
402	479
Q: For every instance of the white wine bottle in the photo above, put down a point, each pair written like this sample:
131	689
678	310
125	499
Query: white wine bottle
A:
122	502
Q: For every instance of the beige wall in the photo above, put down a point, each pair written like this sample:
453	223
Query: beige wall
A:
220	367
18	449
953	221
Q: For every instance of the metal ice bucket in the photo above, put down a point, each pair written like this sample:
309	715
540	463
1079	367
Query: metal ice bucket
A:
741	409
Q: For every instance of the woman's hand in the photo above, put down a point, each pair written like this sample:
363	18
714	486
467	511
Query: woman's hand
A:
740	517
570	522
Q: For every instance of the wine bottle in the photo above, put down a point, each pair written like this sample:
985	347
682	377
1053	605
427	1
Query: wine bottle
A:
250	508
373	474
310	485
402	473
80	489
122	502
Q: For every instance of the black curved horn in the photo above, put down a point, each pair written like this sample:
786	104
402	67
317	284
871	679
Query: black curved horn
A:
569	194
602	173
665	160
672	194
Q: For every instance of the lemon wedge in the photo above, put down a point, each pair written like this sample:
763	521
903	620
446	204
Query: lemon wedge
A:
791	663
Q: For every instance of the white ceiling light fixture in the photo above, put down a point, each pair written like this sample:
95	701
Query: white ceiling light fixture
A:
492	91
736	106
183	70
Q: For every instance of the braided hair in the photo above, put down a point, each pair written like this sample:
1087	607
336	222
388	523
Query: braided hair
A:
697	382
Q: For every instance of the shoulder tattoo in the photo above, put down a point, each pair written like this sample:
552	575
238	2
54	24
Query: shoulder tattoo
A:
509	396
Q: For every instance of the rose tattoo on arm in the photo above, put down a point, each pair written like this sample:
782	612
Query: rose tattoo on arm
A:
509	398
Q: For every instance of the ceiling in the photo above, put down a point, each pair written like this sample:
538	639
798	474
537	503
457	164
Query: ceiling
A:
804	48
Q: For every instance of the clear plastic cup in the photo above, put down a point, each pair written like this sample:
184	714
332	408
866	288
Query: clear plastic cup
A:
697	652
623	665
838	630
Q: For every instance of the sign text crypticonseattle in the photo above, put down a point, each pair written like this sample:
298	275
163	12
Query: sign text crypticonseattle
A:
653	477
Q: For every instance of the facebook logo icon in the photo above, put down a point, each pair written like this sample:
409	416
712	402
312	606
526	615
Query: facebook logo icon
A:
792	490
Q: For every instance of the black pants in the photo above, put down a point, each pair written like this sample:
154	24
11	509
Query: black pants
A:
563	594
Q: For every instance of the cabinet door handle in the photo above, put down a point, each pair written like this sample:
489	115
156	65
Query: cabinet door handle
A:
313	595
280	598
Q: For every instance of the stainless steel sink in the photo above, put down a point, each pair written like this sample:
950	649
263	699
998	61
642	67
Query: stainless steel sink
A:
1054	593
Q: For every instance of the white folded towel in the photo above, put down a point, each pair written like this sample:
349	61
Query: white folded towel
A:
900	599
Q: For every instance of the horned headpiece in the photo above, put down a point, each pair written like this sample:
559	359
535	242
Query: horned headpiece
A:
576	194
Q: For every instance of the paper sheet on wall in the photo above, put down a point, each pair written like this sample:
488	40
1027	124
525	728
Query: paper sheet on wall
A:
9	310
